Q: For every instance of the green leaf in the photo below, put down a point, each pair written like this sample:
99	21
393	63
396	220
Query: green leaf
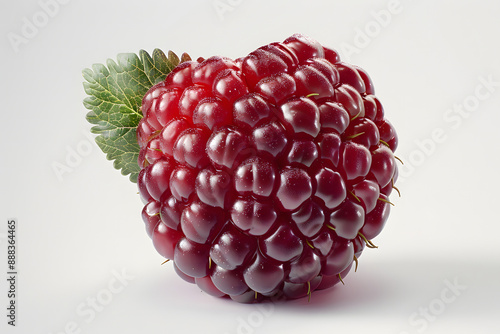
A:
115	93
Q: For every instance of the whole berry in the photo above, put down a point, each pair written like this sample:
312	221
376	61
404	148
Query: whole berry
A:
265	176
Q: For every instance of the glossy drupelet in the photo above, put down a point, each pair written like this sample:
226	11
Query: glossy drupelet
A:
266	175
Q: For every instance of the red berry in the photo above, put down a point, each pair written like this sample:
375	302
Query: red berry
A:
157	178
181	76
330	187
367	193
347	219
295	187
305	268
192	258
356	160
323	242
182	182
169	135
261	64
170	211
333	116
376	219
267	175
283	245
200	222
270	137
309	218
301	116
284	53
303	152
225	146
262	275
151	216
383	165
349	75
211	112
190	99
351	100
339	258
190	147
205	72
363	131
250	110
276	88
253	216
165	239
304	47
232	248
230	282
310	79
255	176
206	285
329	147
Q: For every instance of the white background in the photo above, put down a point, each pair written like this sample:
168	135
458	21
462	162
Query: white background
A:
428	59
